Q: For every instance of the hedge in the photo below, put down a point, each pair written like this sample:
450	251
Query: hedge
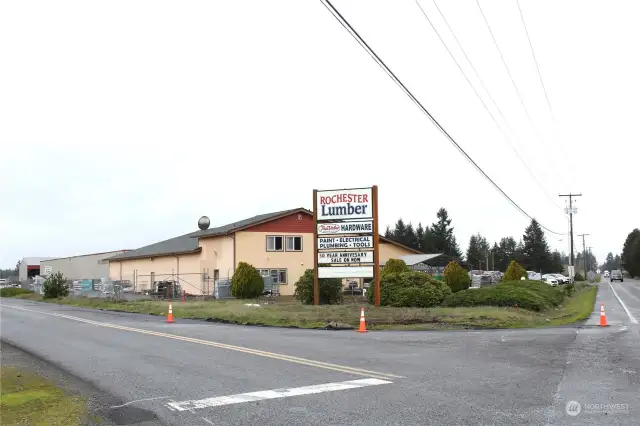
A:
527	294
409	289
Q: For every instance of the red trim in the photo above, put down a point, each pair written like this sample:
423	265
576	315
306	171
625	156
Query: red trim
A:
33	267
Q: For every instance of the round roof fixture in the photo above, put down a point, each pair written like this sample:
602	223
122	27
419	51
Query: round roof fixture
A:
203	223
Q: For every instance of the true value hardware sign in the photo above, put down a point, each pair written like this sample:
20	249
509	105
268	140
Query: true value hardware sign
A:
346	236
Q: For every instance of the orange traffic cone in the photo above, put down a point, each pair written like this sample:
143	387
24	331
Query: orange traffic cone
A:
363	324
170	314
603	316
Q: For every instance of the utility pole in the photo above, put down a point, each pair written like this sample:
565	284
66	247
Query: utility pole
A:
584	254
570	211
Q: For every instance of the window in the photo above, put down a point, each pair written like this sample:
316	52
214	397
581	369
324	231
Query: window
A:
278	276
294	243
274	243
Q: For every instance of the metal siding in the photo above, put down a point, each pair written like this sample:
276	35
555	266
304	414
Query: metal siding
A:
81	267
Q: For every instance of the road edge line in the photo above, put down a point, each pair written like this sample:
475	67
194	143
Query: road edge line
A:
631	317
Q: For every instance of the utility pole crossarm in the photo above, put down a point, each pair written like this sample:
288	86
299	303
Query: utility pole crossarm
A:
570	211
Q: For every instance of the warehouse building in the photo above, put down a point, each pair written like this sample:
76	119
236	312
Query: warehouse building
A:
279	245
30	268
83	267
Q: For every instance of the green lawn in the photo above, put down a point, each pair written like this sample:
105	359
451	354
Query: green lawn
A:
28	399
286	312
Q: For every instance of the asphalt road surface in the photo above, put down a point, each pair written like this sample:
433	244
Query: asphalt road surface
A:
197	373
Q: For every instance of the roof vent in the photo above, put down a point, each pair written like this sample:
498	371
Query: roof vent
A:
203	223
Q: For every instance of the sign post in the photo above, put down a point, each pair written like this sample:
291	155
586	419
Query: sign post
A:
345	236
376	245
316	282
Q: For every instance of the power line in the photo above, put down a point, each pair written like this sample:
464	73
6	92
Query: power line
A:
513	82
390	73
533	53
495	42
480	98
544	88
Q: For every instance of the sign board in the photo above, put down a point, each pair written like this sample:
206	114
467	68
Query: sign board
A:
598	271
345	257
346	240
344	204
48	270
337	243
359	227
345	272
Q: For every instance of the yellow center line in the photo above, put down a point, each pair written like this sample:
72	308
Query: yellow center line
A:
257	352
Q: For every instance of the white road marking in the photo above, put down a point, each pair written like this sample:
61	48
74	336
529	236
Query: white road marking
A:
207	420
631	317
243	349
273	394
140	400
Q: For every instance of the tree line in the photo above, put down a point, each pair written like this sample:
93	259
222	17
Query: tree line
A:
531	251
437	238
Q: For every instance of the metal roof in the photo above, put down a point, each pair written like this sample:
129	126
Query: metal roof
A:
182	244
414	259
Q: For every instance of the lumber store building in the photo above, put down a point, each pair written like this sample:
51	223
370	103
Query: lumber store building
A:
279	245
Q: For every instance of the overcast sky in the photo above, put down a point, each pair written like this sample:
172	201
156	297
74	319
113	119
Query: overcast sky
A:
122	122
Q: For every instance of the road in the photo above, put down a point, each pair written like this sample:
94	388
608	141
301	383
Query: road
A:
199	373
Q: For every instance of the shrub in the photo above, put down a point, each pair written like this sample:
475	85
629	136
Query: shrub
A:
410	289
514	272
330	289
246	282
569	289
395	266
13	291
578	277
456	277
55	286
528	294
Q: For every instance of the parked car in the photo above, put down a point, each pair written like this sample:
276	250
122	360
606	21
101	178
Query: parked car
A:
616	274
547	278
533	275
561	278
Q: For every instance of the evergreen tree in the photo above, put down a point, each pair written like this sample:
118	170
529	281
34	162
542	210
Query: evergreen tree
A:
631	253
536	255
443	238
478	252
388	233
494	257
453	248
428	241
556	263
505	252
617	262
473	253
420	237
399	231
409	238
608	262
